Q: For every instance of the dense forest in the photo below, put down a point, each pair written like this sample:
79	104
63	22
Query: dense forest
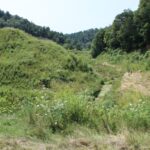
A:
129	31
80	40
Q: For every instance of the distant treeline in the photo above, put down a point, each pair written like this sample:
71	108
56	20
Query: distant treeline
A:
129	31
8	20
79	41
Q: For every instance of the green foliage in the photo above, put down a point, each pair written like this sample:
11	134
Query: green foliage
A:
130	31
22	59
51	90
124	31
142	20
80	40
60	114
36	64
98	43
74	63
106	116
133	116
8	20
77	41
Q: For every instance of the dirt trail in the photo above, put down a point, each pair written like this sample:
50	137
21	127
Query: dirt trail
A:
136	81
22	144
108	142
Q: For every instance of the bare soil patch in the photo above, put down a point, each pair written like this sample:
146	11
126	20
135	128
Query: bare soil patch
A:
136	81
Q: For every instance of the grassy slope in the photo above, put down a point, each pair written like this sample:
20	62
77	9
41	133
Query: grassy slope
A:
30	65
46	89
23	55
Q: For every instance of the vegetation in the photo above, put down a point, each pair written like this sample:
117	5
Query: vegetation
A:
62	99
8	20
129	31
78	41
46	90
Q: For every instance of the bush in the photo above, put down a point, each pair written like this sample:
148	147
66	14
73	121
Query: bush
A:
74	64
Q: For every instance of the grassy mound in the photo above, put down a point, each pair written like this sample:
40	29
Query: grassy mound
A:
30	65
26	61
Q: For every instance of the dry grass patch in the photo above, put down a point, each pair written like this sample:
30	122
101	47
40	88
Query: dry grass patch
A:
136	81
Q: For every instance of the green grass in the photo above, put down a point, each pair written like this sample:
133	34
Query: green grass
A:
47	91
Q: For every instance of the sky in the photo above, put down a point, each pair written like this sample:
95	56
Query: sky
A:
69	16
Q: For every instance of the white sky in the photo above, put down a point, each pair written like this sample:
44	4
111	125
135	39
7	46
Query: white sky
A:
69	16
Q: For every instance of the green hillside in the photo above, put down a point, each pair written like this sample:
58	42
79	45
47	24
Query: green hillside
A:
28	64
22	59
68	99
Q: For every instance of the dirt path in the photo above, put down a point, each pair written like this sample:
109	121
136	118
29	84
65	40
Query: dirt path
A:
22	144
69	143
136	81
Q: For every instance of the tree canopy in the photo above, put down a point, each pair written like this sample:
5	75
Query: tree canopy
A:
129	31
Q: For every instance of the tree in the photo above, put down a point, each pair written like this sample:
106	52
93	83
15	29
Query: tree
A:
124	31
98	43
142	19
81	40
